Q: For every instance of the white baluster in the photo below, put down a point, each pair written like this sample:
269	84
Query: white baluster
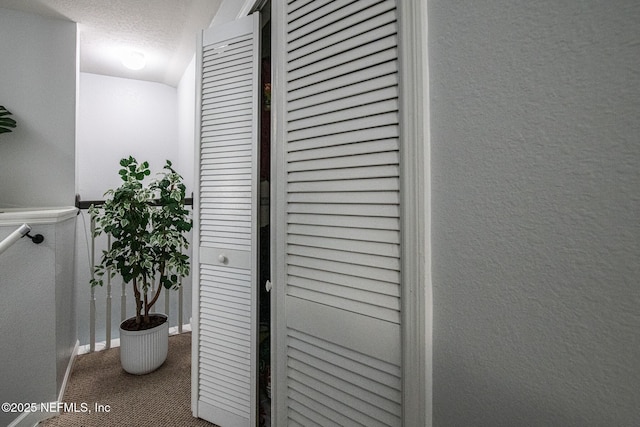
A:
123	302
92	301
180	301
108	325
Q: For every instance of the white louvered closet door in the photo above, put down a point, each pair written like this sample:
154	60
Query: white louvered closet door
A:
340	210
225	347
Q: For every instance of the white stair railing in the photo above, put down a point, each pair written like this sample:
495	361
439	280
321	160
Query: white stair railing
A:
19	233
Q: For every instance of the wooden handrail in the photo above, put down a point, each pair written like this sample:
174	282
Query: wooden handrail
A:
86	204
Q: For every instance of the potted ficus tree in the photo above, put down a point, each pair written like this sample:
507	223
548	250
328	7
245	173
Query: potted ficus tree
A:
148	226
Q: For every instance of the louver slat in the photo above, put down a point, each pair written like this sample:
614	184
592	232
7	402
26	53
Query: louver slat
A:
346	18
355	111
329	159
342	214
354	124
348	100
226	228
340	222
352	40
378	148
346	61
375	286
358	72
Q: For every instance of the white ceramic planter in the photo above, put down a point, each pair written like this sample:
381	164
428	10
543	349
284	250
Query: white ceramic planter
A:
145	351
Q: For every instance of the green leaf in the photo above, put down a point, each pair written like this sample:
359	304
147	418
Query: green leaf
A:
6	123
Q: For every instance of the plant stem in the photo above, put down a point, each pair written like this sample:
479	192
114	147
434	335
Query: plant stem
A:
136	293
157	294
146	306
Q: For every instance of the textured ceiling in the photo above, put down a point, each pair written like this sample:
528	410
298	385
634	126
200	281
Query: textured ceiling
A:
164	30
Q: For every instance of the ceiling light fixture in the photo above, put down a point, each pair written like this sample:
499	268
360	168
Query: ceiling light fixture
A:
134	60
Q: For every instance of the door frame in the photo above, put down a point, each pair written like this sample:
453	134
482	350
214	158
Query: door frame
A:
415	204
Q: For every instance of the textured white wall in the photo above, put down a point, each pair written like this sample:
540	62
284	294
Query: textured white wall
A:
227	12
187	124
120	117
536	212
38	85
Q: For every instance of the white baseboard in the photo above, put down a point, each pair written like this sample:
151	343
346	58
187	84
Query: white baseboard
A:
102	345
67	373
185	328
32	419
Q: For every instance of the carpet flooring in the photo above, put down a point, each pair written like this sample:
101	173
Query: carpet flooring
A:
161	398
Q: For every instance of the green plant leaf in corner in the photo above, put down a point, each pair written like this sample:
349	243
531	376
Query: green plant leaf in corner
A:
6	123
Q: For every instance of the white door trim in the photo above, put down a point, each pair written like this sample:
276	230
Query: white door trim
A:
417	307
195	251
278	218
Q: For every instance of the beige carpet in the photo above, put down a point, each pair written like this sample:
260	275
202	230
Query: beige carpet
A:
161	398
